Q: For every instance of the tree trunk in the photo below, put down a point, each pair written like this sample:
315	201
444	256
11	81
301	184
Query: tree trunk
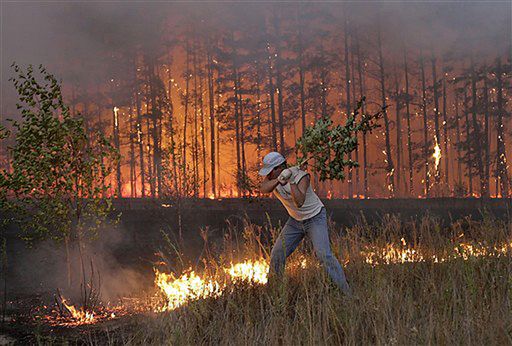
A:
425	126
398	136
132	154
477	136
347	92
155	117
468	144
237	127
258	115
363	110
115	123
409	131
185	120
196	134
457	127
501	152
389	164
242	132
354	102
172	132
437	138
301	72
445	133
272	101
202	129
487	162
150	162
140	140
212	119
279	85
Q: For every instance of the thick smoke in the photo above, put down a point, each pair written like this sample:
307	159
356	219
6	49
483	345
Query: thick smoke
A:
72	39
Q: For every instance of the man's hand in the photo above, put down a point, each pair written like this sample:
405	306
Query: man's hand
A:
285	176
295	170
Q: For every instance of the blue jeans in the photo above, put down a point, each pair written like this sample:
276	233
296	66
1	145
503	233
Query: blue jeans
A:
292	234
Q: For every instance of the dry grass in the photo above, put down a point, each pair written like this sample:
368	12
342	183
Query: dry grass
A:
459	301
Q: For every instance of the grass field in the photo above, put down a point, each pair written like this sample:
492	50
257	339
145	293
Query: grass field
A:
413	283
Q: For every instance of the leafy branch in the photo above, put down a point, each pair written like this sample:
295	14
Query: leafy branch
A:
327	147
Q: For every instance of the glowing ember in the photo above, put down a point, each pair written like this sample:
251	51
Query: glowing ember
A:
69	315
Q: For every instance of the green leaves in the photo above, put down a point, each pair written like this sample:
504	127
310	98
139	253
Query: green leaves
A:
57	180
330	146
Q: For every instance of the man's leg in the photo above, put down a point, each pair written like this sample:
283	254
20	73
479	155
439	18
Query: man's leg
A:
317	229
287	241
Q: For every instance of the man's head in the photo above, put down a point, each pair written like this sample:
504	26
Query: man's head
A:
273	165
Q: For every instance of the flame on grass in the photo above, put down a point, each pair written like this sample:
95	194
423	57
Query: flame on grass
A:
79	315
403	253
70	315
191	286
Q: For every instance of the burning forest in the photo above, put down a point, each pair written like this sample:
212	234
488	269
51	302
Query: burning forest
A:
192	101
140	143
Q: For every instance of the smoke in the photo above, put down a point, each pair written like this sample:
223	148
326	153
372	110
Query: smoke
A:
109	263
74	39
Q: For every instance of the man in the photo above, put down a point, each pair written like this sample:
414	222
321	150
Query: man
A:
307	217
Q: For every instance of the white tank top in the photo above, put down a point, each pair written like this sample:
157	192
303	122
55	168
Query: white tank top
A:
312	204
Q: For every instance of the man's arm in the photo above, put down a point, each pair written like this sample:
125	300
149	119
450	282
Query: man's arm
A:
299	191
268	185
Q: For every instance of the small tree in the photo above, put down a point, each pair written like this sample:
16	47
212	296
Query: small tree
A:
57	186
330	146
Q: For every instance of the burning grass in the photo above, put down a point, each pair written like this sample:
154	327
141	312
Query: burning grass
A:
413	283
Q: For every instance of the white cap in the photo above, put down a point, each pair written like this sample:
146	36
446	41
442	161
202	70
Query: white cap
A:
270	161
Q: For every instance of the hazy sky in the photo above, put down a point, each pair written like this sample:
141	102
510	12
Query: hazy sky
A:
64	34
